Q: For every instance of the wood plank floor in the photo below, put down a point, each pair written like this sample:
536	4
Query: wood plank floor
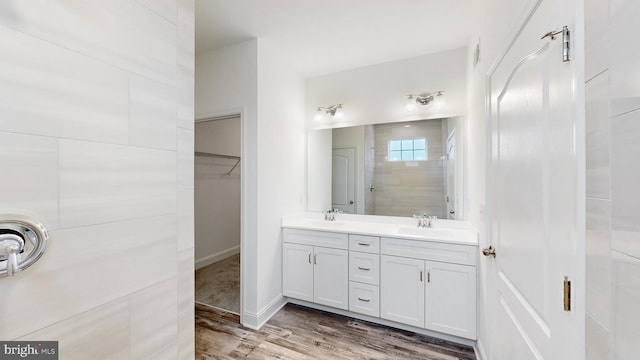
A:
297	332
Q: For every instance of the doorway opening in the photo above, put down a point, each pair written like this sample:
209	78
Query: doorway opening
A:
218	212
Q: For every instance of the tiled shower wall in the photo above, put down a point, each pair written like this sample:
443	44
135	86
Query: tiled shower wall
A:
613	178
96	141
401	189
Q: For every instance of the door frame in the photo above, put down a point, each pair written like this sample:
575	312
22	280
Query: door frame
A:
241	113
578	284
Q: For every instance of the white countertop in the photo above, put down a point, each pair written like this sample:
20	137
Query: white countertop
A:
446	231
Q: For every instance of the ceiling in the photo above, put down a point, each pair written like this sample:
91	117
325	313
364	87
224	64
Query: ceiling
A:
317	37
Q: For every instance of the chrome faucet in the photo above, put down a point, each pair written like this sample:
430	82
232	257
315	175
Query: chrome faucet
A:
425	221
330	215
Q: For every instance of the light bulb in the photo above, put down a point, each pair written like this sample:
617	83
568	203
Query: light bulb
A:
410	104
339	113
319	115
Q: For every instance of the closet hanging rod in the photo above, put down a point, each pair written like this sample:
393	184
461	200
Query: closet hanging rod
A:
217	155
197	153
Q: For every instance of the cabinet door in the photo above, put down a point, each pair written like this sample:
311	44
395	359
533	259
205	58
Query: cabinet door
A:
451	299
331	277
297	271
402	290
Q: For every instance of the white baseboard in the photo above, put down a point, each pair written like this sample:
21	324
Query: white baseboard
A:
208	260
255	321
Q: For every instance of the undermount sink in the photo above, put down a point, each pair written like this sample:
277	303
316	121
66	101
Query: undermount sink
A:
425	232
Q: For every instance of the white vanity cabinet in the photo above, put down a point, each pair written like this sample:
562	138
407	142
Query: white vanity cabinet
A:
426	284
316	267
437	295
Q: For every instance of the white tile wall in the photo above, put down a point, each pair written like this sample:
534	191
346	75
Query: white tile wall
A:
186	228
153	319
33	188
613	277
626	297
624	58
596	48
597	340
625	177
152	114
91	114
102	333
598	260
121	33
165	8
105	183
86	267
598	134
49	90
186	157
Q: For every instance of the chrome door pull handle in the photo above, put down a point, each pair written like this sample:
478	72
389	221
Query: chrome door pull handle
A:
364	244
365	300
365	269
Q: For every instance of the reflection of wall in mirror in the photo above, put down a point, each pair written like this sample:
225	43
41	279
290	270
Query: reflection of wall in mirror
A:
403	188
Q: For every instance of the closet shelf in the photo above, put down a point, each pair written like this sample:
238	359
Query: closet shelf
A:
205	154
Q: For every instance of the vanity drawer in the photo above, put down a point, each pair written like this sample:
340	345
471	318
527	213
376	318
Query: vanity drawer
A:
428	250
364	267
364	299
316	238
369	244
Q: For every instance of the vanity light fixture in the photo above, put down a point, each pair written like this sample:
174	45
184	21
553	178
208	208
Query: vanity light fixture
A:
335	111
426	98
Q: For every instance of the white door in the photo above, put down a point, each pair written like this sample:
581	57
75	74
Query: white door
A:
402	290
331	277
451	176
450	299
343	183
297	270
534	191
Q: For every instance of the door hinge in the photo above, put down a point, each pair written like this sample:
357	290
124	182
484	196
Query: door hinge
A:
567	294
566	41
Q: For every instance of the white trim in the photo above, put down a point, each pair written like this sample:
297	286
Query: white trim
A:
256	321
213	258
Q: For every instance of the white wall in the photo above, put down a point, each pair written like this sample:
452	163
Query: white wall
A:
378	93
217	195
249	78
281	165
96	127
